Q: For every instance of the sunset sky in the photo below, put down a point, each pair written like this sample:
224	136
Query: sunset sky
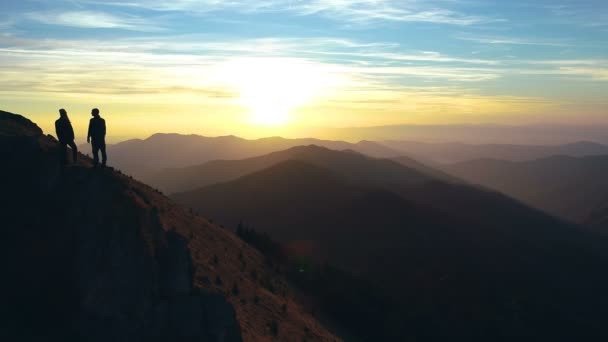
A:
252	68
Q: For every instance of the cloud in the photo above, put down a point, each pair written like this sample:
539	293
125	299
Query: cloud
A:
92	19
352	11
365	64
589	69
389	10
589	14
585	69
496	40
5	24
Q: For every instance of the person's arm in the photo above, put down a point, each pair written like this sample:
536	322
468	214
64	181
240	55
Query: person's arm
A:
103	128
57	130
89	133
71	131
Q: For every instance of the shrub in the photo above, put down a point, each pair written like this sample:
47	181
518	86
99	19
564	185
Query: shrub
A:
274	327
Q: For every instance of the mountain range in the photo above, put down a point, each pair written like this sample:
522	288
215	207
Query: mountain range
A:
359	166
145	157
455	256
534	134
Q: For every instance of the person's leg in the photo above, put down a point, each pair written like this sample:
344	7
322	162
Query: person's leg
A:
95	153
104	156
63	150
74	151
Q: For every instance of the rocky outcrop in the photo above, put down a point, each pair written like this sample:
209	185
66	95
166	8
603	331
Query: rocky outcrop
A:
90	254
87	259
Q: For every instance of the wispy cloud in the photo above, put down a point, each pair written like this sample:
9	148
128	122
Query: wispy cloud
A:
92	19
586	69
591	14
4	24
498	40
193	64
352	11
390	10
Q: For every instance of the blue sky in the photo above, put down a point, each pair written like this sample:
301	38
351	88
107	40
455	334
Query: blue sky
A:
310	63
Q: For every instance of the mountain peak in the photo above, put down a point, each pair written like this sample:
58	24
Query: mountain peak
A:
15	124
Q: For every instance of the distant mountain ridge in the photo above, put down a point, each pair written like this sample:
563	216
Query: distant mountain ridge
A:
160	151
89	254
535	134
358	165
568	187
447	153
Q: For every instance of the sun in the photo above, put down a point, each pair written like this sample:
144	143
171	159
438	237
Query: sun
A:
270	89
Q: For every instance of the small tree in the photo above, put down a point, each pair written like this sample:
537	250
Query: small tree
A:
240	229
274	327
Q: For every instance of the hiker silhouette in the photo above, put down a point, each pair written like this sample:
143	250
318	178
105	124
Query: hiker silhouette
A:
65	135
97	137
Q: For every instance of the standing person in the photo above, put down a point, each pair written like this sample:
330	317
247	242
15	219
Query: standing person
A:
97	137
65	135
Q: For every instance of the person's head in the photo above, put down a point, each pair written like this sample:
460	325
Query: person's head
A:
95	112
63	114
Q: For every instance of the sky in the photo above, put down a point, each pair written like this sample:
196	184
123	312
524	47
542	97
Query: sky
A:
279	67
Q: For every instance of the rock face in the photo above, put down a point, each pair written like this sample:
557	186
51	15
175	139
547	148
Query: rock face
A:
88	262
90	254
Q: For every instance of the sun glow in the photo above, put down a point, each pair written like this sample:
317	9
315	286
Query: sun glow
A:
271	88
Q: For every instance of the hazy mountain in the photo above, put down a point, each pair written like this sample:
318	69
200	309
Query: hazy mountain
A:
539	134
90	254
296	199
567	187
356	165
160	151
425	169
466	263
447	153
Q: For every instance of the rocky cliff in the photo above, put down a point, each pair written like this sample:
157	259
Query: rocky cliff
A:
92	255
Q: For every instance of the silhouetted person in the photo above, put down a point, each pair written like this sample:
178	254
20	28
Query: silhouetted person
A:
65	135
97	137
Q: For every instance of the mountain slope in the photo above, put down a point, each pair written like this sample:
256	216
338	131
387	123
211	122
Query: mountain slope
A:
159	151
433	172
296	201
92	255
464	263
567	187
356	166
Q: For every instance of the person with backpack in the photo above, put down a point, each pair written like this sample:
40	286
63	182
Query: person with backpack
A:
65	135
97	137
